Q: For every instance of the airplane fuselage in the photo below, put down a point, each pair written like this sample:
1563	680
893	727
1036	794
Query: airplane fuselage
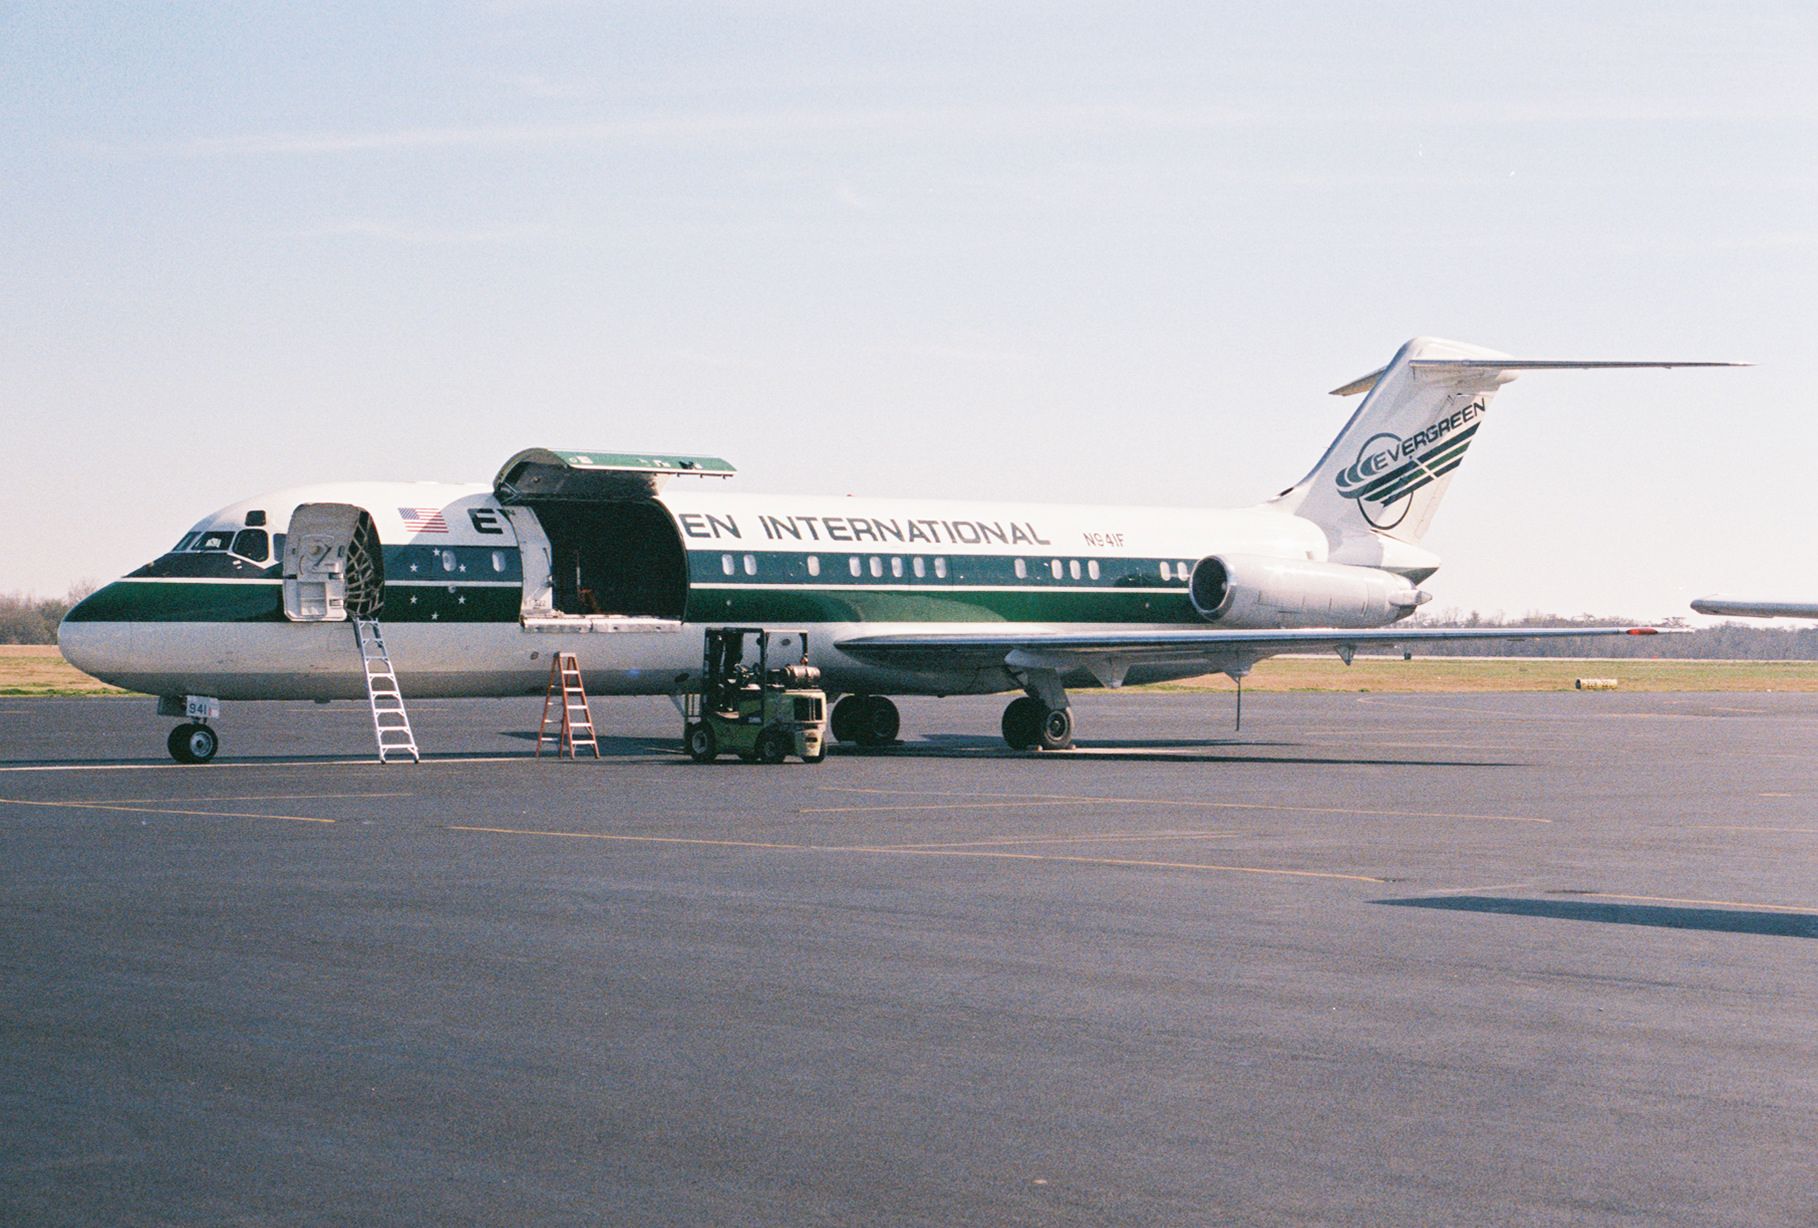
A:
477	595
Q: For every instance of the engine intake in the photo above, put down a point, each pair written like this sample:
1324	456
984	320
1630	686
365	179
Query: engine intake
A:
1256	591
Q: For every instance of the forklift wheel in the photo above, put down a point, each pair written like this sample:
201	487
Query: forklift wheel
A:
700	743
772	746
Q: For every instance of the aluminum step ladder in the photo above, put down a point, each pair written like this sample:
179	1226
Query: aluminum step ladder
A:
575	726
390	723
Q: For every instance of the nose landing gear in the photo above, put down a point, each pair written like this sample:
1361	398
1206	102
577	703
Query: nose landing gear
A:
194	741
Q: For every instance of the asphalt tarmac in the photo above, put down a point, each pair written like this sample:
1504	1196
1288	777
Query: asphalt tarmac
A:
1378	959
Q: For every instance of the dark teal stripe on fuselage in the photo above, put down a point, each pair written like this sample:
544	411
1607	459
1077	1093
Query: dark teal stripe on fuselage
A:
870	570
760	604
179	601
453	563
789	586
769	586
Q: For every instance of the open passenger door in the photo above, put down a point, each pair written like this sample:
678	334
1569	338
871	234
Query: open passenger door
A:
333	567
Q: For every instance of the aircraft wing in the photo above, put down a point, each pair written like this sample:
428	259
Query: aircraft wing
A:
1107	654
1756	609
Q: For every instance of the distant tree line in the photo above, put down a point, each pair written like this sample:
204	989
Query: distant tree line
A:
1764	641
33	620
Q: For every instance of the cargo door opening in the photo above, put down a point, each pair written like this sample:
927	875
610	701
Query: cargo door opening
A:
600	552
614	560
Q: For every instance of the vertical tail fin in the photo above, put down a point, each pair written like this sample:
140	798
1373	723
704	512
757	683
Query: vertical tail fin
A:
1390	466
1383	477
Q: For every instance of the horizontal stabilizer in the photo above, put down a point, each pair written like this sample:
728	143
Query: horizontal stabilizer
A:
1440	367
1362	383
1756	609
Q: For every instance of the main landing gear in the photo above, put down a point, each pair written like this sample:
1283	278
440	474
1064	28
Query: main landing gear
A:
1030	724
1040	718
869	720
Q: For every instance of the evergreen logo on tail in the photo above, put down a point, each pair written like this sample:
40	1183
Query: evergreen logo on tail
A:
1390	468
1387	471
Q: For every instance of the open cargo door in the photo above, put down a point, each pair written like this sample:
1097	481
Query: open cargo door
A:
599	551
538	474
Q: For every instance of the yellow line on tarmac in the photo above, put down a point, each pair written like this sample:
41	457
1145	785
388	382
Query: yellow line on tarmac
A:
251	797
1475	890
1667	899
1032	804
1802	831
1110	861
211	814
1097	838
1035	800
595	835
925	852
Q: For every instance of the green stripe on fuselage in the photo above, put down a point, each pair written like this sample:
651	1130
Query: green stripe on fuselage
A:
176	601
780	604
179	601
182	601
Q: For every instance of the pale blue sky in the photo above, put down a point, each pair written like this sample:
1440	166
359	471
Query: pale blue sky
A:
1089	253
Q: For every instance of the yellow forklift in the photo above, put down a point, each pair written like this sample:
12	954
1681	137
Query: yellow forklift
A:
762	712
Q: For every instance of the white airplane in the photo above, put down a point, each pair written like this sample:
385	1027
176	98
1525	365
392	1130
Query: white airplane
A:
594	553
1756	609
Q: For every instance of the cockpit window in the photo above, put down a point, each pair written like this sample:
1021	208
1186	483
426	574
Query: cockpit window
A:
252	544
212	541
187	540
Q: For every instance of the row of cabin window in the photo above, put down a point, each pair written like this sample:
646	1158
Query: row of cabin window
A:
1059	570
917	565
450	561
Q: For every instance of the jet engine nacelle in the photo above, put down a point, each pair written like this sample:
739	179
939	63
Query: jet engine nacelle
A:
1256	591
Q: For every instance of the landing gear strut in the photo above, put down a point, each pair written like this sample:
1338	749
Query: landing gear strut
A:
1040	717
1030	723
869	720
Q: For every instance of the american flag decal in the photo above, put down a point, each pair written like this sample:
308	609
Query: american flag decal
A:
423	519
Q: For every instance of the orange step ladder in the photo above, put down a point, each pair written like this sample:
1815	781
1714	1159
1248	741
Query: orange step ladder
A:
576	723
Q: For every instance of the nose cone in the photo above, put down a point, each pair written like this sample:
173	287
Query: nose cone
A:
96	636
